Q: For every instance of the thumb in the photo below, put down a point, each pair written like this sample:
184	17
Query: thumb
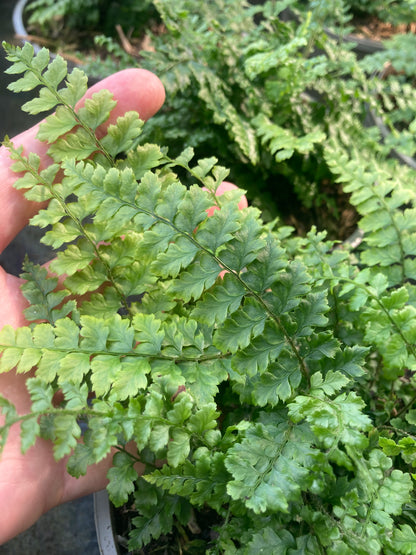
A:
133	89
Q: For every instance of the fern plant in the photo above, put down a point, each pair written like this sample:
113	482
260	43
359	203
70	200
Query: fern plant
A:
272	374
73	24
340	12
244	81
393	80
395	12
262	91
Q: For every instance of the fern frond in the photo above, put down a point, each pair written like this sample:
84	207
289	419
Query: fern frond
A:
268	467
282	142
386	207
44	297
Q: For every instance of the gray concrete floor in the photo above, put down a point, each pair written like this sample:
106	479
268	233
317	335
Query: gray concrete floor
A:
65	530
68	529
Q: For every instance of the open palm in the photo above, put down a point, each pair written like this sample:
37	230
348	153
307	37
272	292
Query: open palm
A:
33	483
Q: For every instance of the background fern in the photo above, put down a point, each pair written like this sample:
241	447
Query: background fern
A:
248	96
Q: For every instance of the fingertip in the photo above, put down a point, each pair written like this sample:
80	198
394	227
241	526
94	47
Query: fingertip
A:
134	89
223	188
227	186
13	302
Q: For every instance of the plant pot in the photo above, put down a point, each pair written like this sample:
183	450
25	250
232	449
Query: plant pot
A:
106	539
18	25
22	35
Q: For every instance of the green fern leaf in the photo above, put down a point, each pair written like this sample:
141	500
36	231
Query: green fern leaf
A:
96	109
211	92
269	467
41	398
269	540
261	351
333	382
120	136
246	244
222	299
105	370
282	142
76	145
203	379
47	101
261	366
33	68
42	295
148	334
143	158
67	433
239	329
76	87
343	414
178	255
13	343
56	71
264	269
204	482
403	540
73	367
310	314
9	416
219	229
178	447
199	276
121	478
48	365
81	458
278	383
192	210
289	288
385	492
67	334
30	430
157	510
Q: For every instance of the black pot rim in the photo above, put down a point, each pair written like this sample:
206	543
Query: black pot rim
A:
104	525
21	33
18	25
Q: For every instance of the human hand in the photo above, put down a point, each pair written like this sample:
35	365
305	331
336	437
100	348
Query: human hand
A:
33	483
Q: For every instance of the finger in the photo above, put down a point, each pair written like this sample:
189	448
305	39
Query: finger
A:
223	188
95	479
13	302
133	89
33	483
